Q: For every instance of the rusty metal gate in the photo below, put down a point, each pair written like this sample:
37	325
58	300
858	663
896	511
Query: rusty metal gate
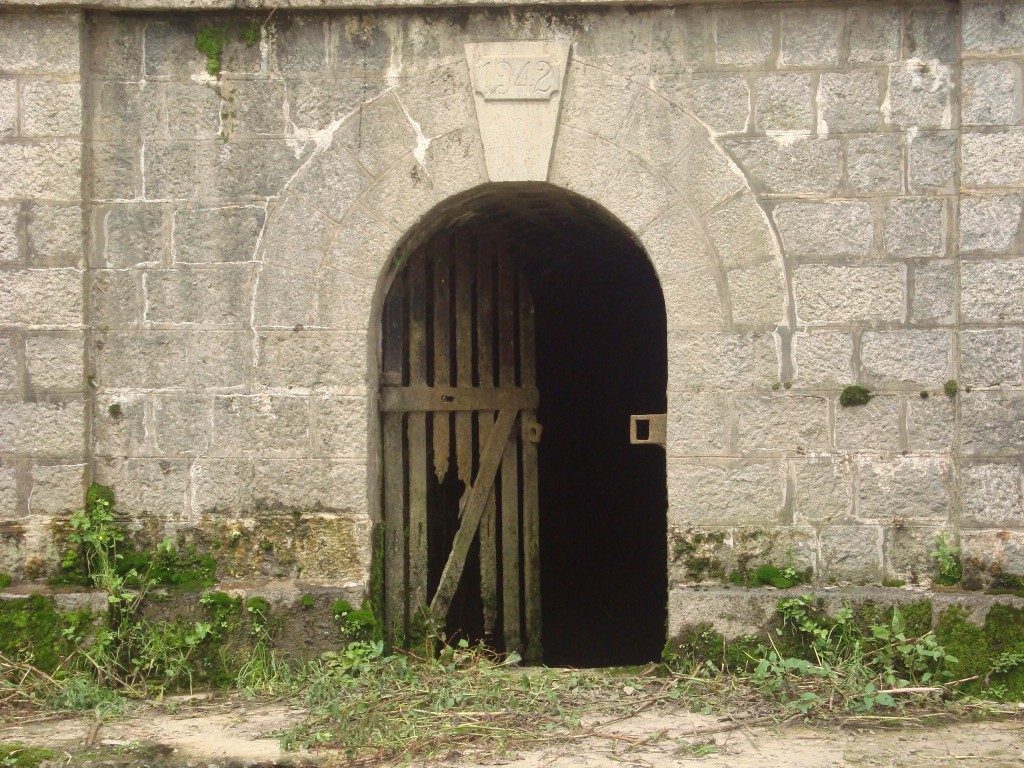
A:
458	405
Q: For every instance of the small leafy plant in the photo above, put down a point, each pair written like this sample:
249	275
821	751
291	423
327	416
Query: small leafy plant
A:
947	560
842	664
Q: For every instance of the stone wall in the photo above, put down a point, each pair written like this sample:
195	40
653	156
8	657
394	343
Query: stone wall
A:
831	194
43	402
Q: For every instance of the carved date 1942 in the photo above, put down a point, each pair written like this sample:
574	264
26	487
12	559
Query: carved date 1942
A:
515	78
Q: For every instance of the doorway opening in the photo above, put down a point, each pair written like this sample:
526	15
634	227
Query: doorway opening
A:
580	550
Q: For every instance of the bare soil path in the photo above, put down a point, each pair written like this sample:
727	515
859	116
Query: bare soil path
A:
235	733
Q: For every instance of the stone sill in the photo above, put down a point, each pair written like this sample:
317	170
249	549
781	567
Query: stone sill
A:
349	5
739	611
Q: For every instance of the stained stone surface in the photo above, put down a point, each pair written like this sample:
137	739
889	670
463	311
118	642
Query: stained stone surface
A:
829	196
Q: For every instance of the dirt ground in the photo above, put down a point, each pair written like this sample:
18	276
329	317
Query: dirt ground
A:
235	733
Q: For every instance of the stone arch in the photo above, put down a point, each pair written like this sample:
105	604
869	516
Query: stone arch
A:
332	235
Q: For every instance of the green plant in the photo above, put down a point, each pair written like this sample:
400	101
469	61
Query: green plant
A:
950	388
130	652
5	580
356	623
947	559
771	576
114	410
832	660
263	672
210	41
251	32
213	38
854	395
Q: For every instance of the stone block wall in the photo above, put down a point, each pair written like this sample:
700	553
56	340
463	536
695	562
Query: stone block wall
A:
43	399
873	150
880	138
209	424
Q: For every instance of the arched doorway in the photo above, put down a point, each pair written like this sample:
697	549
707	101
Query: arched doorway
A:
524	314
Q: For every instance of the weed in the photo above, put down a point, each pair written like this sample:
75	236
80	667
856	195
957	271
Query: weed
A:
356	624
5	580
843	666
854	395
129	653
947	559
115	411
263	672
950	388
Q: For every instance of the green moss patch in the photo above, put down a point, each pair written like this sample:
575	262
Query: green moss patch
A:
35	630
771	576
992	652
15	754
854	395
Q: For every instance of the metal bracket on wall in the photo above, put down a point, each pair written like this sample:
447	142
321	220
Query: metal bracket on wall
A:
648	429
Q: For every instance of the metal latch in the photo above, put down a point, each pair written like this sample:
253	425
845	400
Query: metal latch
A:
647	429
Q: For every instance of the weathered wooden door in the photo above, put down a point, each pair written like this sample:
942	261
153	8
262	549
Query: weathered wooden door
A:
458	406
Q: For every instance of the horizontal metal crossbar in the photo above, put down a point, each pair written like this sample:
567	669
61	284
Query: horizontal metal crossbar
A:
429	399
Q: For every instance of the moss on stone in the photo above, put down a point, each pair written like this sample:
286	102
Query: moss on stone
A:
770	576
1006	584
854	395
695	550
210	42
977	648
258	605
251	33
702	644
917	617
33	628
356	623
15	754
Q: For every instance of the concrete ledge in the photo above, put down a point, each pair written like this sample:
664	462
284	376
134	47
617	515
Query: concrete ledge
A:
302	613
737	611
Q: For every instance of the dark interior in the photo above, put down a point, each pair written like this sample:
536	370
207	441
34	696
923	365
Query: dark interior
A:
601	356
